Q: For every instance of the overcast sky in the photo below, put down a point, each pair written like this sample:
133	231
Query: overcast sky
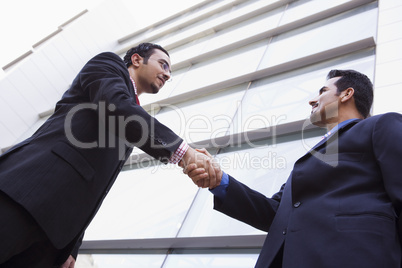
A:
25	22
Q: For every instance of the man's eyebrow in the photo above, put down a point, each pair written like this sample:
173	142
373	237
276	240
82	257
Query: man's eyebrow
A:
165	61
322	89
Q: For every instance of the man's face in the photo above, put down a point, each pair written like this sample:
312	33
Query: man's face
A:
325	105
154	74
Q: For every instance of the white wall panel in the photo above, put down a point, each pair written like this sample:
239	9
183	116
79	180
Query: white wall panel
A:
389	51
42	94
70	55
387	99
16	113
19	102
388	80
28	92
36	83
78	47
391	31
389	4
10	128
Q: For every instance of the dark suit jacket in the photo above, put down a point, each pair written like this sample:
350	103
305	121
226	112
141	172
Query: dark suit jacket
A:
63	172
340	206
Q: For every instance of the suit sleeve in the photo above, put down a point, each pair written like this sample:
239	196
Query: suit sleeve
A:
105	80
248	205
388	152
77	246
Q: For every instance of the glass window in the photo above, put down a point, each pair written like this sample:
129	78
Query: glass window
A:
226	66
248	7
188	50
191	16
127	261
229	35
243	259
147	202
212	260
284	98
210	25
200	28
323	35
203	118
303	8
244	30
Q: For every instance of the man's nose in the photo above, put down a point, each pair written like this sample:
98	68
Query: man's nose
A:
313	101
166	76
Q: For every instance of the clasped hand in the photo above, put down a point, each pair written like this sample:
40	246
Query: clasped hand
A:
202	168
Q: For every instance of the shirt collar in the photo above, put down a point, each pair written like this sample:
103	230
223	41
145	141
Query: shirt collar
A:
135	88
340	125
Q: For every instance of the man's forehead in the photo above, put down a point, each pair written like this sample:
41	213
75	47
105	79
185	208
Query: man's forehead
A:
331	82
160	54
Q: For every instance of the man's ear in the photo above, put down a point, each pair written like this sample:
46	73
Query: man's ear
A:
136	60
347	94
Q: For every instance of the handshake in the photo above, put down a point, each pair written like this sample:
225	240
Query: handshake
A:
201	167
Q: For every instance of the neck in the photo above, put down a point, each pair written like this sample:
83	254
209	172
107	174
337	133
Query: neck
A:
342	119
331	126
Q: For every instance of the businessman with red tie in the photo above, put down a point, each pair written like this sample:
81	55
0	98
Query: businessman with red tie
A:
53	183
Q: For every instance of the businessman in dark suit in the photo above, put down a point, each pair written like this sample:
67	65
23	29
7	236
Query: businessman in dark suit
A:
341	205
53	183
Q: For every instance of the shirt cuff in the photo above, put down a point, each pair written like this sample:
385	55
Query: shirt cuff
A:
179	153
220	190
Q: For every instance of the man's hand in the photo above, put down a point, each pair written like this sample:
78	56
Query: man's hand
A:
217	168
202	168
70	263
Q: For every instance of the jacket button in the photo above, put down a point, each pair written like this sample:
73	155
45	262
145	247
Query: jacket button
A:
162	142
297	204
284	231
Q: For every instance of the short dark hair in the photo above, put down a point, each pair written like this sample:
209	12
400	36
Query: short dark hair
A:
145	50
363	88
